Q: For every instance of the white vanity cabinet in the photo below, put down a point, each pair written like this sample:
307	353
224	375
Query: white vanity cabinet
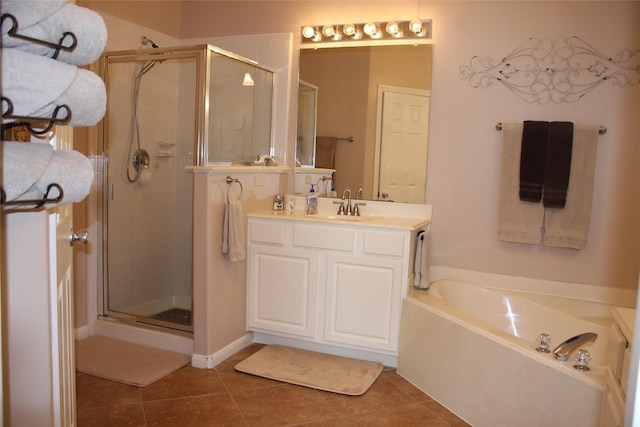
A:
619	357
336	284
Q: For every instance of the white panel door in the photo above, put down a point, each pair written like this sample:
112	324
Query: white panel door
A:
363	301
402	171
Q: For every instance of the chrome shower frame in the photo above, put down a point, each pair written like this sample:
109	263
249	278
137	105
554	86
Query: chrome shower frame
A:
202	56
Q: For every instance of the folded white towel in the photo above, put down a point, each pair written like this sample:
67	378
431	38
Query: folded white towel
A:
23	163
37	85
31	12
34	21
67	168
233	232
421	276
518	221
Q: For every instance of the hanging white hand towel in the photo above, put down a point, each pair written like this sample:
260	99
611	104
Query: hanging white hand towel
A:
518	221
233	232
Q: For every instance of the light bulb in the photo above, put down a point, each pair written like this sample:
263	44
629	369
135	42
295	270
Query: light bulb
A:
308	32
349	29
370	29
328	31
392	28
416	27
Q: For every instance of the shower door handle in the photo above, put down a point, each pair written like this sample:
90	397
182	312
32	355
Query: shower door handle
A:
82	238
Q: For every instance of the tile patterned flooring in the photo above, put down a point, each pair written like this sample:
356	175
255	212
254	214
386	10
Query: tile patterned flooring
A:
225	397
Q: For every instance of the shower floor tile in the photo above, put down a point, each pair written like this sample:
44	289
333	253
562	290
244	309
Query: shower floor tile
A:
223	396
178	316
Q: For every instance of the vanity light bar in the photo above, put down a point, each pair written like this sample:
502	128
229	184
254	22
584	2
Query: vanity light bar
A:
391	30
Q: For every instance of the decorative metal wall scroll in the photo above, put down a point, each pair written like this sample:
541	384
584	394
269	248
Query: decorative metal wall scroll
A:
561	70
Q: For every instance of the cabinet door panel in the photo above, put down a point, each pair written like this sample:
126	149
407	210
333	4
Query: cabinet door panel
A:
363	301
282	290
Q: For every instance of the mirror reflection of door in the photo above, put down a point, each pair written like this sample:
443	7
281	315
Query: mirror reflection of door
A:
306	134
402	140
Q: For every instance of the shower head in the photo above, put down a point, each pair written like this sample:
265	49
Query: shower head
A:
145	41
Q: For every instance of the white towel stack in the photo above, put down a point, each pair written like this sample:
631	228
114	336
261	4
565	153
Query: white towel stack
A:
34	82
36	85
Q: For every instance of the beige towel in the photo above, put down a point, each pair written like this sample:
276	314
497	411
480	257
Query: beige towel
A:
568	227
233	232
518	221
325	151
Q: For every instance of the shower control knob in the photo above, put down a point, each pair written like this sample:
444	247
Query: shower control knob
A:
82	238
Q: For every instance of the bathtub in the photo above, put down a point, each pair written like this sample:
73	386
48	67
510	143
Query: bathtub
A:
473	350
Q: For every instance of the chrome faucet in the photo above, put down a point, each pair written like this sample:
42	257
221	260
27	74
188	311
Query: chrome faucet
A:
347	193
564	350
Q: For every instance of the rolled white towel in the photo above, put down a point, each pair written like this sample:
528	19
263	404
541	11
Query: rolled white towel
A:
67	168
37	85
30	12
23	163
87	26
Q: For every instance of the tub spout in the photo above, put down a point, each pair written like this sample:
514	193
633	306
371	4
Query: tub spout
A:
564	350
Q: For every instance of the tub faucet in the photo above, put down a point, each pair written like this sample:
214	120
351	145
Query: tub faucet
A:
564	350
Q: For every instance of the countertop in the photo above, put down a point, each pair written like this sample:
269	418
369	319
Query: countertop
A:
365	220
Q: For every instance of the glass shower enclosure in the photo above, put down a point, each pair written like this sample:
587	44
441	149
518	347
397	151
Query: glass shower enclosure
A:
167	109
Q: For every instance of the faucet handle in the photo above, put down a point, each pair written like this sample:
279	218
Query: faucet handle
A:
356	210
341	208
543	341
582	360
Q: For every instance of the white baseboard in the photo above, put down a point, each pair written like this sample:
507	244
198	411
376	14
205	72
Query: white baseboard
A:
211	361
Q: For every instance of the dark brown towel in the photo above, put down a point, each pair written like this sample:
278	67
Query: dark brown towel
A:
558	164
325	151
532	160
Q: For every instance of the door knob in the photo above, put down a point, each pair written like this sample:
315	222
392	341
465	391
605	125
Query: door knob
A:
82	238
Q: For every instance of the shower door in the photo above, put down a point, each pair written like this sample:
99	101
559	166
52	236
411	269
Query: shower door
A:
149	138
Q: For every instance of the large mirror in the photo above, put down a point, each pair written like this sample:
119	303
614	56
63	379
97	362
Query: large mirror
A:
373	114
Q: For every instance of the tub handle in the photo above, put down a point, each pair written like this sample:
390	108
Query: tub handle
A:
543	341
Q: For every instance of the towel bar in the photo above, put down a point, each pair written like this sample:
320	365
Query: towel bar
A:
231	181
57	46
37	203
601	130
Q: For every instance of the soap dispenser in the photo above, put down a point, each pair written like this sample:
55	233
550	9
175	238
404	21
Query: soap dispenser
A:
312	201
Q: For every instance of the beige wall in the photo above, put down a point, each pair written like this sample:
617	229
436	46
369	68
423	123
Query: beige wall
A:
464	145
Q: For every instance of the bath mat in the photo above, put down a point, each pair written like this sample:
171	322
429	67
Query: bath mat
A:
310	369
125	362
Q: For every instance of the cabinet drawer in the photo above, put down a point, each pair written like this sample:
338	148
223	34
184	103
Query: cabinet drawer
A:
384	243
267	232
340	239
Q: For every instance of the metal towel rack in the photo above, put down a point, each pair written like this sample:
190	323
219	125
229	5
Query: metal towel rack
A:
347	138
67	43
230	182
601	130
38	203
